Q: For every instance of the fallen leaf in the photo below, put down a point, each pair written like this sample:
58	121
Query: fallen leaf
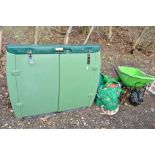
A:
44	119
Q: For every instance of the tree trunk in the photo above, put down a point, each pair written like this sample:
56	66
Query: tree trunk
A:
110	34
138	39
88	36
0	41
36	35
67	35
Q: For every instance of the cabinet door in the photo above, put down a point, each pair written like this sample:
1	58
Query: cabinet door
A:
78	80
37	84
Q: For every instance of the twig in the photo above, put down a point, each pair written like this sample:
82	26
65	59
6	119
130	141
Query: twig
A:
36	35
0	41
67	35
49	30
56	30
88	36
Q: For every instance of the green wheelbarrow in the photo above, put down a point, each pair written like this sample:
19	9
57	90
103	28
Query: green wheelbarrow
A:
136	80
133	77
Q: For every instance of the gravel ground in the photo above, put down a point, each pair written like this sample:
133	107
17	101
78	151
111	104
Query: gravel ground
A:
142	116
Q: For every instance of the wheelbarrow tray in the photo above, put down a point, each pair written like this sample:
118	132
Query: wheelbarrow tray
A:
133	77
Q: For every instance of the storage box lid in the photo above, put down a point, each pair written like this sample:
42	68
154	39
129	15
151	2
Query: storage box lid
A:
51	49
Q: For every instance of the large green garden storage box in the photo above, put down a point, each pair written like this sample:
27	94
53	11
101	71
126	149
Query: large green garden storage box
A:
50	78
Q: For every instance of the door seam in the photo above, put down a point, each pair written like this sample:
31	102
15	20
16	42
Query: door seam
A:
59	84
17	86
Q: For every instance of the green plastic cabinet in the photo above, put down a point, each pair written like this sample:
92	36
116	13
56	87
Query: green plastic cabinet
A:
50	78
